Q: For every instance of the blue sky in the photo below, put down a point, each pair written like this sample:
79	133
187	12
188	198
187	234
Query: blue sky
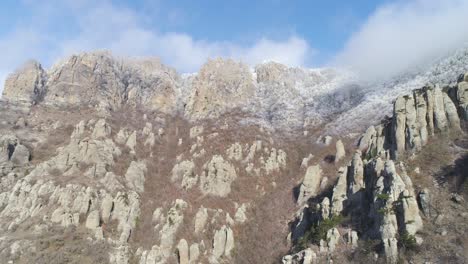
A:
367	35
326	24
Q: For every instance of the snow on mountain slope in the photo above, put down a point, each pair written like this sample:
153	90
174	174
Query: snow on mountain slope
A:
377	97
271	94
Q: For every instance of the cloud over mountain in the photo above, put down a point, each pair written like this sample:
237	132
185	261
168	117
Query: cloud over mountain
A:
405	34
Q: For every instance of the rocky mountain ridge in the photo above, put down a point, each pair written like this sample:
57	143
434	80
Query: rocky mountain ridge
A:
105	82
124	161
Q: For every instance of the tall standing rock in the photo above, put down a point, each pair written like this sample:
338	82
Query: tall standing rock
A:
223	242
339	192
462	97
452	113
310	184
440	118
421	115
183	251
340	151
356	174
399	125
413	138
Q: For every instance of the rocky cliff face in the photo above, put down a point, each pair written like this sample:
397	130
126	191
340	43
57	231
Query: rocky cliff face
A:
99	80
372	191
117	160
26	84
272	92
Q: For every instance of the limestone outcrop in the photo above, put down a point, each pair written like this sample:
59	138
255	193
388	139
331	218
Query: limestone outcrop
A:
217	177
183	172
97	79
219	86
193	169
374	187
416	117
310	185
340	151
11	150
27	84
135	176
223	242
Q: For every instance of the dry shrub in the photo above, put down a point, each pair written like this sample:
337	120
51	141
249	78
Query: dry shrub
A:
65	245
438	153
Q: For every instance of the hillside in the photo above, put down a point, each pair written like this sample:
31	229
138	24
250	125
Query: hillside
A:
118	160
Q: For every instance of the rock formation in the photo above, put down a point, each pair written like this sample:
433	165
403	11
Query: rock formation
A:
26	84
220	85
417	116
217	177
119	160
310	184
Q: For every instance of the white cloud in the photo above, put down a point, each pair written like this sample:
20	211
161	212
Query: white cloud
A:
125	32
406	34
120	30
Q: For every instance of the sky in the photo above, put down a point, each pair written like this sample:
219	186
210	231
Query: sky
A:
377	38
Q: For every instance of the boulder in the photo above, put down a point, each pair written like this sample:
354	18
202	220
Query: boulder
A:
7	147
21	155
